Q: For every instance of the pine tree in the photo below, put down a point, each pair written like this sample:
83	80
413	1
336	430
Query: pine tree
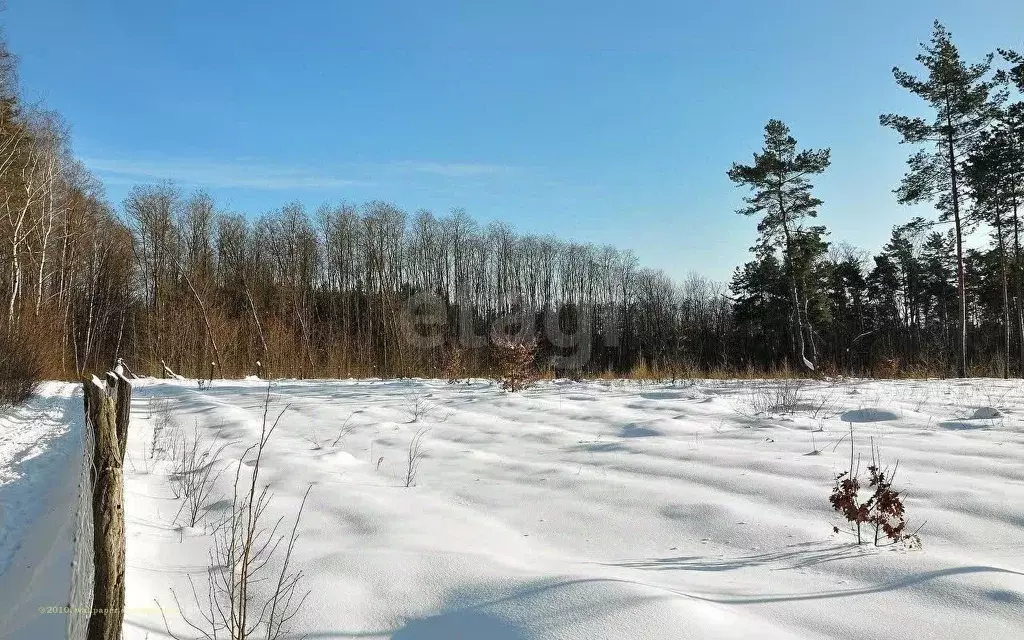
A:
989	175
938	284
964	100
1015	74
846	291
761	308
902	252
782	195
1010	129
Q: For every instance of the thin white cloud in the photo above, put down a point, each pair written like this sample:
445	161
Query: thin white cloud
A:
457	170
217	174
254	175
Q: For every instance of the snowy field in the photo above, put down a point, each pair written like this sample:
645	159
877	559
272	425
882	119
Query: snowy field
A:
595	510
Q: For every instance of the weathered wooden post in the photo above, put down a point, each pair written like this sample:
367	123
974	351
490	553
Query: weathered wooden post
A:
123	402
107	411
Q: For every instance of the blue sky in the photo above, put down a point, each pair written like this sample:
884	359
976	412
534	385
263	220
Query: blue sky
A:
598	121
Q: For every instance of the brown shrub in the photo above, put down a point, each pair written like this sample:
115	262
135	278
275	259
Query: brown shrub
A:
514	359
883	509
21	368
453	368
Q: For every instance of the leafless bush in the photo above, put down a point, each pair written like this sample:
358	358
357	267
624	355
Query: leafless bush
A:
814	446
194	476
233	606
415	455
314	440
162	440
21	369
960	399
156	406
346	428
421	406
921	400
777	396
514	359
822	406
996	395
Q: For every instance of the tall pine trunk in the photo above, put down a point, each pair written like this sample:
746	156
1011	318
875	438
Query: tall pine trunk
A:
798	329
1019	294
961	289
1006	295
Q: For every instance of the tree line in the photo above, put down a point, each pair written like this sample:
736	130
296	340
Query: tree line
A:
169	281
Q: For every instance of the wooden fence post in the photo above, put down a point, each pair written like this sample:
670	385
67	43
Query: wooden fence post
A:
108	413
123	401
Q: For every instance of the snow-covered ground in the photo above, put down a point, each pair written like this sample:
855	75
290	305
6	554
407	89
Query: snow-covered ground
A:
40	466
599	510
